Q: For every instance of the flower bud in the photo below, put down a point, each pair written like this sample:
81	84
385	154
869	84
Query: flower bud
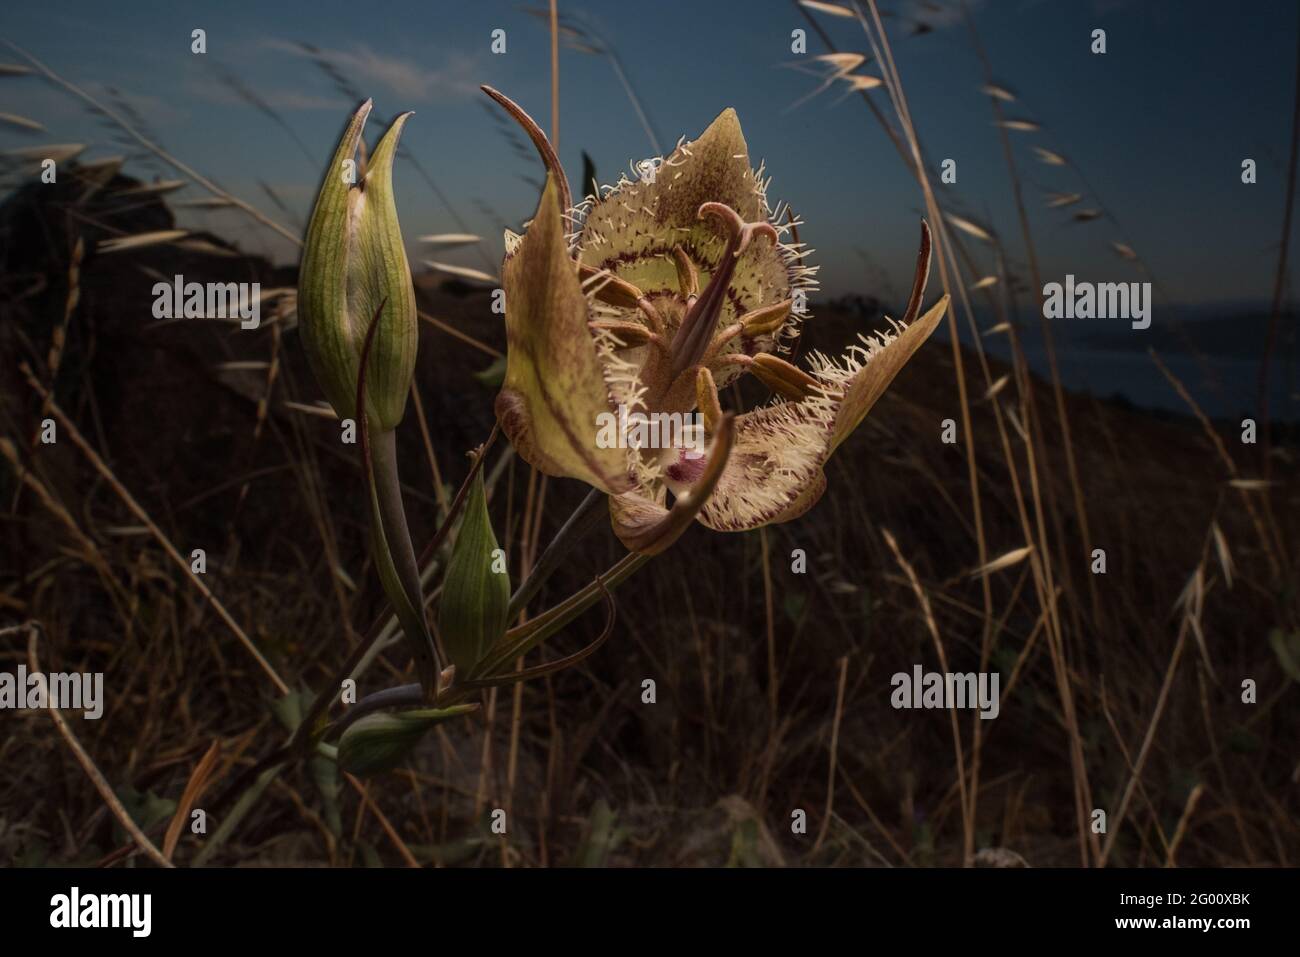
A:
381	741
474	608
354	260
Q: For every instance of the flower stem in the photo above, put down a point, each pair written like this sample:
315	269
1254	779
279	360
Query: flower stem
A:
578	526
395	558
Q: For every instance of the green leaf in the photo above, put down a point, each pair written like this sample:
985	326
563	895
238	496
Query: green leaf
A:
493	375
370	855
146	809
379	742
602	838
325	775
395	558
476	591
793	604
1243	741
1286	645
289	709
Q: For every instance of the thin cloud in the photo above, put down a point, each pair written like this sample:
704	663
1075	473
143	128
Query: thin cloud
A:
410	81
153	110
211	90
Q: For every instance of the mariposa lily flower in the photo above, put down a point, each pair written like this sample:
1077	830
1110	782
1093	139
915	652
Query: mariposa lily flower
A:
671	287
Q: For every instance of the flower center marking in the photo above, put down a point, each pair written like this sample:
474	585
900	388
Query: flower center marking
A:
692	340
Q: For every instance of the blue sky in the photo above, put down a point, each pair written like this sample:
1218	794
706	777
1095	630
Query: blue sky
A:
1158	125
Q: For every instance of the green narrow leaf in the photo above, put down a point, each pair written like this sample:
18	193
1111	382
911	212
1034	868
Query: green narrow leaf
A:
1287	648
602	838
146	808
476	591
379	742
391	547
493	375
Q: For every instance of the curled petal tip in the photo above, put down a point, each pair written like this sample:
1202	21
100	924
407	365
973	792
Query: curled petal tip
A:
647	527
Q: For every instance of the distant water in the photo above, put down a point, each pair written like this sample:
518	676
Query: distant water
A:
1224	387
1222	380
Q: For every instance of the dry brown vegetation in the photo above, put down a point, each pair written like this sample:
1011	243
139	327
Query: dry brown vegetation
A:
1120	691
711	772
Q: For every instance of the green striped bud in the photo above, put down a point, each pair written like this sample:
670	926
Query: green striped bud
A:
354	260
476	591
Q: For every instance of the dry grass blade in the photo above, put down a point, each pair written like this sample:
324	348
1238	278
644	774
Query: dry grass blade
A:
14	69
59	152
368	802
212	202
1125	251
835	748
984	283
1087	215
321	409
970	228
830	9
1023	126
1013	557
1193	609
998	92
1181	830
140	240
1144	751
998	385
455	333
999	328
863	82
1271	548
22	122
153	189
968	825
205	248
1050	158
67	426
451	239
88	765
193	791
1221	550
151	146
1251	485
463	272
843	62
1057	200
109	166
